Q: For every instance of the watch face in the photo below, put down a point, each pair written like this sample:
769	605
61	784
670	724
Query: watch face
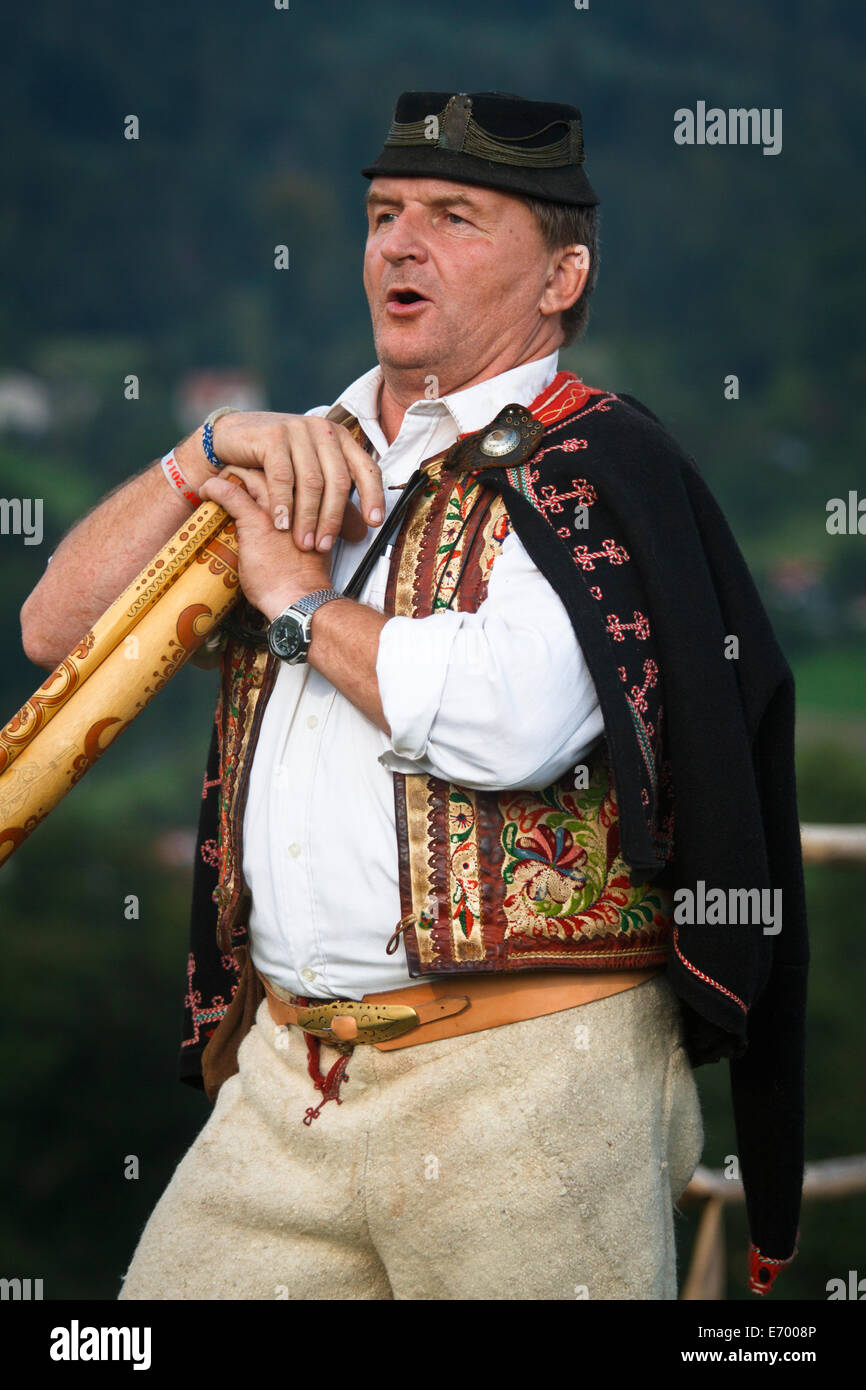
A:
287	637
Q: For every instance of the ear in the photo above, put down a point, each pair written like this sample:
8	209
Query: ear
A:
567	276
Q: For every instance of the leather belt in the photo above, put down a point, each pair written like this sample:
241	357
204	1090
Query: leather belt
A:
445	1008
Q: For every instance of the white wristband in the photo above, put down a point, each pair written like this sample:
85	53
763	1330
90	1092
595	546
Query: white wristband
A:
178	481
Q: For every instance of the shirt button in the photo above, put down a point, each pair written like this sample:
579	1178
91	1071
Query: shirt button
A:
294	849
312	721
308	974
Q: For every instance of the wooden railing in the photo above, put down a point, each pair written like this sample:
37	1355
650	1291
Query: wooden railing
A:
835	1177
832	1178
833	844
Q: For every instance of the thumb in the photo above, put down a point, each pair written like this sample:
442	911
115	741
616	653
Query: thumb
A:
231	493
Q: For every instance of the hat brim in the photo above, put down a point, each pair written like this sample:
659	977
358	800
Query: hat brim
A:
567	184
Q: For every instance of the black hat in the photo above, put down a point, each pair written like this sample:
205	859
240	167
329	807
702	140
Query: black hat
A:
492	138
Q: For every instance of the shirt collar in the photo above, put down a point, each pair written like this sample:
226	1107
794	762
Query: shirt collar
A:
470	409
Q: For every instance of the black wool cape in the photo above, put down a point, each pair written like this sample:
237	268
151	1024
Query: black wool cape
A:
730	741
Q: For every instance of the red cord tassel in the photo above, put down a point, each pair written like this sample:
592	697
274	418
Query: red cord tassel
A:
329	1085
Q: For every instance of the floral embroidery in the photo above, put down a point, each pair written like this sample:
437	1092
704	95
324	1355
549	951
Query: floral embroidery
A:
562	861
465	904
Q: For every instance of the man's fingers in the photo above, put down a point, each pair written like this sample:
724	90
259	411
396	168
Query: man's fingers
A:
354	527
254	482
367	477
279	475
337	486
231	497
309	468
308	484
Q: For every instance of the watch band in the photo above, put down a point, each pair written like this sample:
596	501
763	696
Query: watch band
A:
300	615
310	602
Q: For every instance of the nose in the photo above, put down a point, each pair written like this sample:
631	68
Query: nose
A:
404	240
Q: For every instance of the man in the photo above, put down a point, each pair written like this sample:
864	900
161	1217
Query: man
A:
508	694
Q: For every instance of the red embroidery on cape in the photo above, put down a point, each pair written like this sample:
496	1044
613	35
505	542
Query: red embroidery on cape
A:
707	979
211	1013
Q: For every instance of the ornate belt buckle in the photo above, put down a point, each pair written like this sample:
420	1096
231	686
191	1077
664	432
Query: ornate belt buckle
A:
352	1021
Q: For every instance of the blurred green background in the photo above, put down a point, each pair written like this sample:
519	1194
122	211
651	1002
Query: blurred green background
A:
155	258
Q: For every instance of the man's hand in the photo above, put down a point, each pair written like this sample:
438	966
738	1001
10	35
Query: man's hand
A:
308	466
272	571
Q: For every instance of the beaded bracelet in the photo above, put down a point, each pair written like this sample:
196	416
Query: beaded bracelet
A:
207	434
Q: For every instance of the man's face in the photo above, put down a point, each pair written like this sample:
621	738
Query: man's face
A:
454	275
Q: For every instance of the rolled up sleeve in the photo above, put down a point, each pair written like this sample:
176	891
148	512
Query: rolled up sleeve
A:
497	698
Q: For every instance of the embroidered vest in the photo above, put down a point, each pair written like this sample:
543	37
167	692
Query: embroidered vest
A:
489	880
505	880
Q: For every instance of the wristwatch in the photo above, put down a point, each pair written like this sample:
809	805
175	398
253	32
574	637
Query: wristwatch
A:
289	634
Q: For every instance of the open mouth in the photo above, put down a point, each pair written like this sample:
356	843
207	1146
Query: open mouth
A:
405	297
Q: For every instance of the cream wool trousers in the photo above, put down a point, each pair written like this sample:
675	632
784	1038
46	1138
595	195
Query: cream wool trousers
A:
537	1160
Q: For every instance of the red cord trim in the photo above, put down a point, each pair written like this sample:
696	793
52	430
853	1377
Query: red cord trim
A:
708	979
764	1270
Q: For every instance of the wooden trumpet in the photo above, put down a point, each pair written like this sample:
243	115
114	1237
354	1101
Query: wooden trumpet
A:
132	651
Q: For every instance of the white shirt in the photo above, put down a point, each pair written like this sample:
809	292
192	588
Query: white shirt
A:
497	698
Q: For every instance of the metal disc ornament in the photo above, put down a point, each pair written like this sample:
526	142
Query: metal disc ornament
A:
499	442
